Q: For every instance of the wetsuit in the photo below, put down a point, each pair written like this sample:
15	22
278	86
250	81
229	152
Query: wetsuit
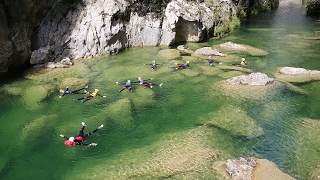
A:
92	95
183	66
80	138
128	86
67	91
145	83
153	65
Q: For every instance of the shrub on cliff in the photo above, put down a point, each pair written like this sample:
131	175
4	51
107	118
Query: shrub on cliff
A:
313	7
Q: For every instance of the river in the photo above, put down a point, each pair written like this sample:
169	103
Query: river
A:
158	133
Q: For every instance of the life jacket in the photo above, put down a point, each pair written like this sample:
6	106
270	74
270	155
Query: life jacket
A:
69	143
94	93
79	138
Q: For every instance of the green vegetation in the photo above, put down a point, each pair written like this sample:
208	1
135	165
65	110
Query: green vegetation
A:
223	30
313	7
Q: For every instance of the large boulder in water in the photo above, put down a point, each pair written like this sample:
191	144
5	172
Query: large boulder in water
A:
208	51
297	75
253	79
297	71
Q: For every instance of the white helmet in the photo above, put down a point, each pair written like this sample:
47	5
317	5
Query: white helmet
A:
71	139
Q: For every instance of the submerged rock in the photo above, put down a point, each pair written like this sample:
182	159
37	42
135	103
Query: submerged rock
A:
232	45
234	120
169	54
232	48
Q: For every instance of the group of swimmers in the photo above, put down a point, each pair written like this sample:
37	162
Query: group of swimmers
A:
78	140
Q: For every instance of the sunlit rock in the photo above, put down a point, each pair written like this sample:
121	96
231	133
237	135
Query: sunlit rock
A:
297	75
241	168
234	120
266	169
250	168
209	51
253	79
240	93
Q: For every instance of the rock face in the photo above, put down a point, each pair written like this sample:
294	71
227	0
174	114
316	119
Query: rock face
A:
253	79
50	30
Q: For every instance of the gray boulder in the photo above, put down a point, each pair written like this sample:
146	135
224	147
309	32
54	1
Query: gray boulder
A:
297	71
209	51
41	55
253	79
241	168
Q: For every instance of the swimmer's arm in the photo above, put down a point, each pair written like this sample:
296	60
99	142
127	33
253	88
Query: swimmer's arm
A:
63	136
88	145
101	95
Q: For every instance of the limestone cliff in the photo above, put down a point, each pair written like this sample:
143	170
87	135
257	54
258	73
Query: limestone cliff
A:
40	31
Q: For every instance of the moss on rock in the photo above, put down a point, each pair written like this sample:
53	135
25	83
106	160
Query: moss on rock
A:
234	120
169	54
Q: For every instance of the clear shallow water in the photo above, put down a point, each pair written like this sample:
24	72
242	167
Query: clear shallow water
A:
138	131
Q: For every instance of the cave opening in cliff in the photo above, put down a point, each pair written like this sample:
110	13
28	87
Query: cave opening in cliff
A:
187	31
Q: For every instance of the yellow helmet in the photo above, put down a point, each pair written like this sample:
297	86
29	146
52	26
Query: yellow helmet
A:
243	59
96	90
188	62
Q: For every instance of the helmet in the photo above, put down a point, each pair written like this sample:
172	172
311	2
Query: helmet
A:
187	61
153	61
128	80
243	59
96	90
71	139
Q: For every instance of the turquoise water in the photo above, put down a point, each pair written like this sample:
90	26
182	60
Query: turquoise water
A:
148	132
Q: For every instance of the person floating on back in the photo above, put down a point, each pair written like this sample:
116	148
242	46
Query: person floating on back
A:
145	83
182	66
242	63
211	61
78	140
91	96
153	65
128	86
67	91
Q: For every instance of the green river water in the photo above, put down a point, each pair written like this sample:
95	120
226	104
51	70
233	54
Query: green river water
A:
158	133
